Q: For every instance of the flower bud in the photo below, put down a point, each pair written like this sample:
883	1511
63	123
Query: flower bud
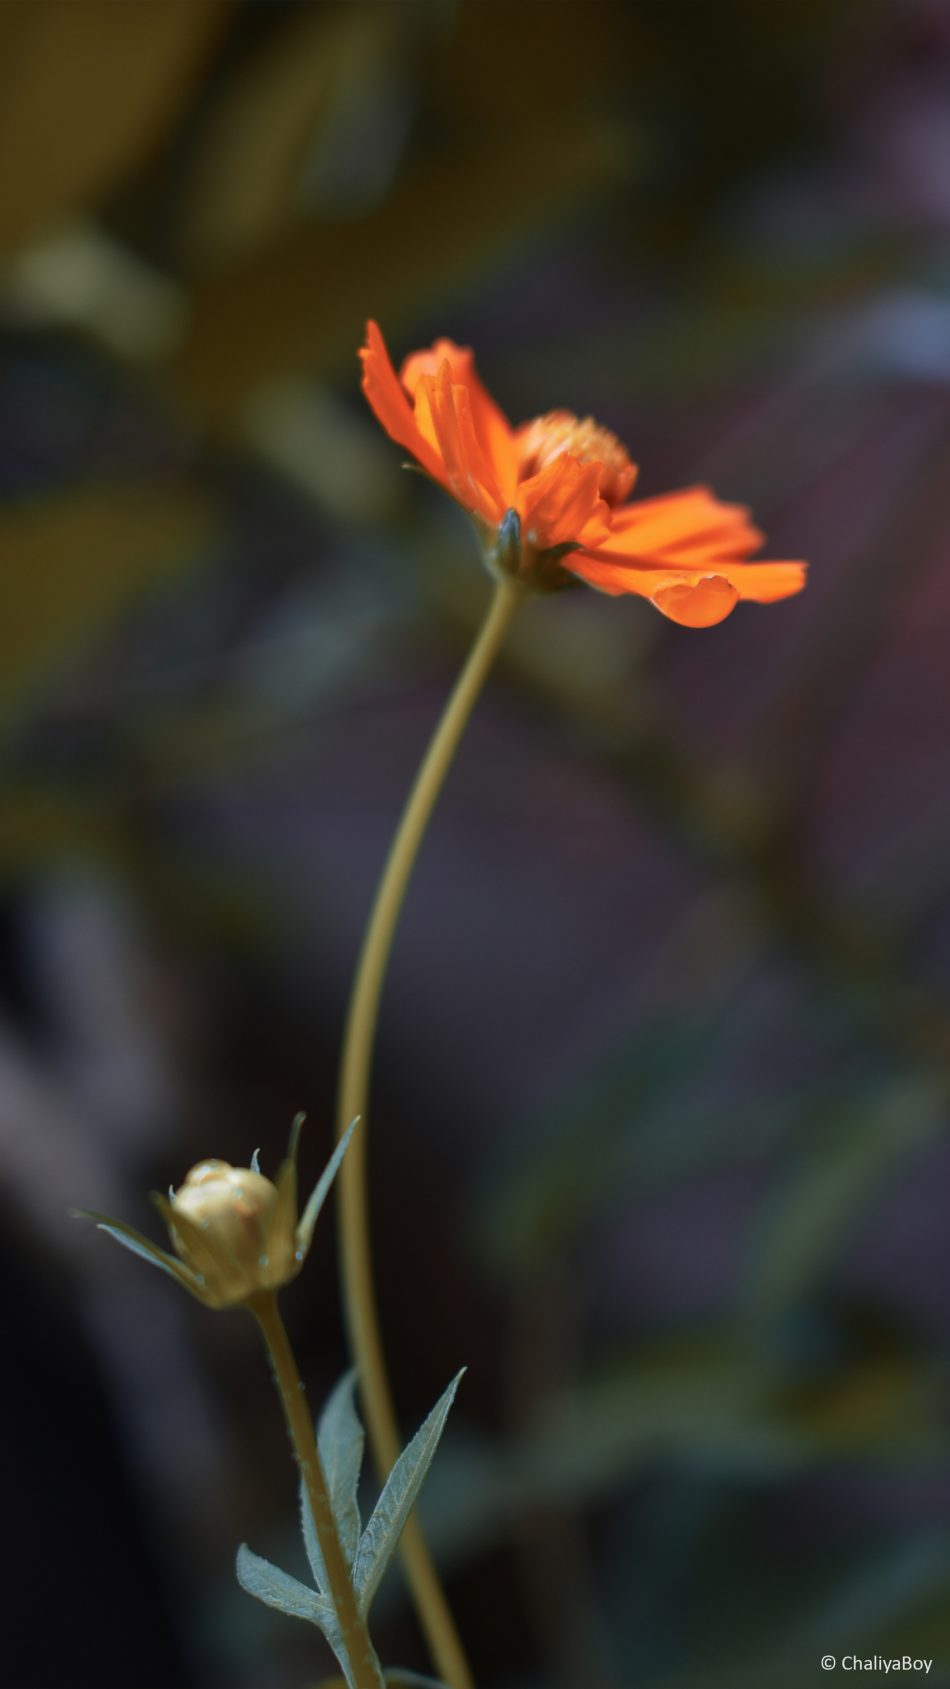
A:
235	1234
245	1243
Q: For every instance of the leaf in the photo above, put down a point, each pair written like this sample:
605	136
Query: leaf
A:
286	1594
340	1440
277	1589
308	1218
396	1502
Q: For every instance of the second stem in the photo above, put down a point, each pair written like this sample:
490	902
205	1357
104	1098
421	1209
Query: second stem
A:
356	1253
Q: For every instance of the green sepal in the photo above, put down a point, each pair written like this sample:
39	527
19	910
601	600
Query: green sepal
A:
142	1246
308	1218
285	1182
508	543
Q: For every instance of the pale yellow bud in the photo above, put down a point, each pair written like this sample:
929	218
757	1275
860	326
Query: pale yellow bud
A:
233	1232
236	1235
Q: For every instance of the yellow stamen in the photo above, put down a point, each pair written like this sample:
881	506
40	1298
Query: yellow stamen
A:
549	436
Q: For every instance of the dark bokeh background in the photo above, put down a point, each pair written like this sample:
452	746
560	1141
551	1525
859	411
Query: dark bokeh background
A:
658	1143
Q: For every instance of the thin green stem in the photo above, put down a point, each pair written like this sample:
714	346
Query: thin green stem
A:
356	1254
364	1666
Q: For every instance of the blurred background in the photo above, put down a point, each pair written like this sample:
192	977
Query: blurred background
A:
657	1143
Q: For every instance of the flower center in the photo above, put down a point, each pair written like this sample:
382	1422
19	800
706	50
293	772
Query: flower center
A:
548	437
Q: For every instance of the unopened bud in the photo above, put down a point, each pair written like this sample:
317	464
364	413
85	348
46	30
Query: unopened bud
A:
245	1237
235	1234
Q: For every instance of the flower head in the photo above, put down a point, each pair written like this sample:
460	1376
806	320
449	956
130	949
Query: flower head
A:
550	498
234	1232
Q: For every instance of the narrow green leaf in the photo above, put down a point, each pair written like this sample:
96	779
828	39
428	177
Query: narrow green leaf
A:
308	1218
260	1578
396	1502
296	1127
277	1589
141	1246
340	1439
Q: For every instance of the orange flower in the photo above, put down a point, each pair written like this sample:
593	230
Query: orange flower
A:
549	498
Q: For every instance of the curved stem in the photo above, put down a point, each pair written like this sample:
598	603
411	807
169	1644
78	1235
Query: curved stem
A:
357	1267
364	1665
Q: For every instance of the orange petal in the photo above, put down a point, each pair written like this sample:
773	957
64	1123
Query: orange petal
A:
765	583
596	530
697	604
388	402
492	429
560	502
693	598
689	527
444	418
460	360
